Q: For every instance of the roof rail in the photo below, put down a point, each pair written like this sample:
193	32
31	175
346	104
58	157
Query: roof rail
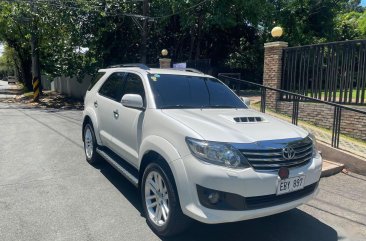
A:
190	70
141	66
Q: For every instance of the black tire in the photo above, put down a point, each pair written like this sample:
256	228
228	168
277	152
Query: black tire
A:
176	222
94	158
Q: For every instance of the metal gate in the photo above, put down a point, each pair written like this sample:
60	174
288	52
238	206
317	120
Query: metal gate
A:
334	72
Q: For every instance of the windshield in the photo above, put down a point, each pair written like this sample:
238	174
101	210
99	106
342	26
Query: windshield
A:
180	91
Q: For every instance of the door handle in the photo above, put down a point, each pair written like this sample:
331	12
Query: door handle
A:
96	104
116	114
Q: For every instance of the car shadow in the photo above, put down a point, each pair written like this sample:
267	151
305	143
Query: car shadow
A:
128	190
294	225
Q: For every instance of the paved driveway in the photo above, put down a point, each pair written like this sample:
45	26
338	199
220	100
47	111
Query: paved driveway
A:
49	192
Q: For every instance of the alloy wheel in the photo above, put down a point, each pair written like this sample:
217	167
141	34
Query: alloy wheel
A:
156	198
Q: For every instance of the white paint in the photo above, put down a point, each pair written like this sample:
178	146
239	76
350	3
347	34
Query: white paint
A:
136	132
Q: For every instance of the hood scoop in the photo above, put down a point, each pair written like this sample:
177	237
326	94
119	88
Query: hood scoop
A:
248	119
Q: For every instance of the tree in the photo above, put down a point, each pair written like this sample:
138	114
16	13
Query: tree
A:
14	30
80	36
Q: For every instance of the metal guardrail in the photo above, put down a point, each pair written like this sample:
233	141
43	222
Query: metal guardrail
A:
296	99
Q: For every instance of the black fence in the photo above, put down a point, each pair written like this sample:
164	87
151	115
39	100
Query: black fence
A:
203	65
333	72
296	98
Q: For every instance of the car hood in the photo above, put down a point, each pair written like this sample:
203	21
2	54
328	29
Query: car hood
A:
221	125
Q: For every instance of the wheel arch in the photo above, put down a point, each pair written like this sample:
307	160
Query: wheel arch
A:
90	117
155	148
162	151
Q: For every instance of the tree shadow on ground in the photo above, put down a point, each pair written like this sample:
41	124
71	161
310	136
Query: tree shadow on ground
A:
294	225
11	92
48	100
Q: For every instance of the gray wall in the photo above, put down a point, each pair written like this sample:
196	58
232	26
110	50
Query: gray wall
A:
46	82
70	86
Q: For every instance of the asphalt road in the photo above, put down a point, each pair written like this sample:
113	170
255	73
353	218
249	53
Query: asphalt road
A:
6	90
49	192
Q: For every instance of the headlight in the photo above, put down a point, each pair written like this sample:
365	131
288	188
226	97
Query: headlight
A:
315	148
217	153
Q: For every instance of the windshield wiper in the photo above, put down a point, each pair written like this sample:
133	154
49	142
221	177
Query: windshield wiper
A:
221	106
178	107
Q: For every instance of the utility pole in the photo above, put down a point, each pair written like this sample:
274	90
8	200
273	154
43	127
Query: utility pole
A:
36	73
144	32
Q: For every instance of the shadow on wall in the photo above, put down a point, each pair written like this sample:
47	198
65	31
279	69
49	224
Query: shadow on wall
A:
71	86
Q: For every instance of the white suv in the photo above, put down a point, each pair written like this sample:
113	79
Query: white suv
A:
194	149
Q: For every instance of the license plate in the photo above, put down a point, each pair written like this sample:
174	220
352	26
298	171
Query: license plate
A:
290	185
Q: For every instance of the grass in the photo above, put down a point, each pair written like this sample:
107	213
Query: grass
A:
338	94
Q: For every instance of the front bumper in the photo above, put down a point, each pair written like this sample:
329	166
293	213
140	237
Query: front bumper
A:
248	183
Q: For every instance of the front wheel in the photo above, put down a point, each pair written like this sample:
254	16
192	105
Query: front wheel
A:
160	202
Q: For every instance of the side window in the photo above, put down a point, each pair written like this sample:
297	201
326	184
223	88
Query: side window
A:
113	87
95	79
134	85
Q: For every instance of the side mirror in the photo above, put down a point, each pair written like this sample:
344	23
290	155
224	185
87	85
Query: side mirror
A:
246	101
133	101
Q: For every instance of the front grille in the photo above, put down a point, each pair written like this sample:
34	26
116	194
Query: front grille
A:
272	158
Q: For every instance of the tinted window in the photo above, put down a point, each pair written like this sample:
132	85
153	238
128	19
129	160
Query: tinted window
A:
179	91
95	79
113	87
134	85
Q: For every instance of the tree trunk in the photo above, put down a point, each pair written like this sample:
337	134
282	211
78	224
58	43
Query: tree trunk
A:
193	37
25	74
199	37
144	32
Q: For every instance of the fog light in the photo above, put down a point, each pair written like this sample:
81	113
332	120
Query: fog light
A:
214	197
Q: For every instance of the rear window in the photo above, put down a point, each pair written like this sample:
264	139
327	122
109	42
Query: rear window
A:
96	78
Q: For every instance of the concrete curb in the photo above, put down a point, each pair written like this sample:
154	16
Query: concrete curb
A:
350	161
331	168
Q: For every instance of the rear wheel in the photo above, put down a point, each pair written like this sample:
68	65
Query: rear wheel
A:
160	201
90	145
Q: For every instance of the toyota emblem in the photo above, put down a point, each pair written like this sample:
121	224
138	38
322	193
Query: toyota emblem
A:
288	153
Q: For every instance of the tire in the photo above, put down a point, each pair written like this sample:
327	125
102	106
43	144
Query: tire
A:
90	145
172	221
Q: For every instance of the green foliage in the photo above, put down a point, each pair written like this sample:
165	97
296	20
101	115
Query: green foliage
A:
307	21
230	33
7	64
348	25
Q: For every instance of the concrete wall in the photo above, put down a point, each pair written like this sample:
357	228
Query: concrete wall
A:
70	86
46	82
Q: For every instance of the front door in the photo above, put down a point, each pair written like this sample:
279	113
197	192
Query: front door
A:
128	127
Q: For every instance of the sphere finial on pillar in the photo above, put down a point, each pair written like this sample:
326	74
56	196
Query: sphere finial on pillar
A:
277	32
164	52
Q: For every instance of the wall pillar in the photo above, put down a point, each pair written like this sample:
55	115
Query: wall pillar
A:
273	70
165	63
